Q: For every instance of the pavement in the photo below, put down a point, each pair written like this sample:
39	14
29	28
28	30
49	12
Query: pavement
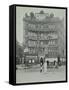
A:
33	74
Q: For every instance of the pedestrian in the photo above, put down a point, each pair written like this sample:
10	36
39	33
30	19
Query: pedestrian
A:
47	64
58	60
41	64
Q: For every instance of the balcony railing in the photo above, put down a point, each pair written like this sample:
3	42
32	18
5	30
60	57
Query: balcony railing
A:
32	37
39	29
41	38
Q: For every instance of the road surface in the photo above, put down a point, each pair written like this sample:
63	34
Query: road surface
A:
34	75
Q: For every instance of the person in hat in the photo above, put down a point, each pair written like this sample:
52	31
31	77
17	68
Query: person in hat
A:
41	64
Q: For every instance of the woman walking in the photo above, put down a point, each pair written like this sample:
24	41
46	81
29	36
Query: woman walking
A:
41	64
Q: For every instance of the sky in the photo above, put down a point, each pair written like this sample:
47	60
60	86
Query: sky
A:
20	13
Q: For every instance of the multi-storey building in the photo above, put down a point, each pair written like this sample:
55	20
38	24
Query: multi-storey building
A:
41	34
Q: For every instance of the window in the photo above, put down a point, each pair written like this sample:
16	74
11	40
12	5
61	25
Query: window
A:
41	43
51	26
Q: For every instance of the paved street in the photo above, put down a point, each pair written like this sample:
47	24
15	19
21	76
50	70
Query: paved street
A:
34	75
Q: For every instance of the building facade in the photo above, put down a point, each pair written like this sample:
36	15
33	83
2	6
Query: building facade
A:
41	34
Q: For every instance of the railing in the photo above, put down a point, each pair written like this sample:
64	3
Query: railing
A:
32	37
40	38
39	29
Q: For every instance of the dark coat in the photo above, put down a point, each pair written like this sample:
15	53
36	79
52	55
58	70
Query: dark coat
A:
41	61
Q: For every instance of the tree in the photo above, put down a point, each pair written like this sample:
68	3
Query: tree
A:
51	15
32	15
41	12
26	15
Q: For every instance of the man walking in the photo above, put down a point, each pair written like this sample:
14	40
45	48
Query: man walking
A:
41	64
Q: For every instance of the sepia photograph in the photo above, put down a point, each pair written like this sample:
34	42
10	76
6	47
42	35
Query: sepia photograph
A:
41	44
